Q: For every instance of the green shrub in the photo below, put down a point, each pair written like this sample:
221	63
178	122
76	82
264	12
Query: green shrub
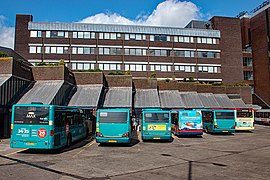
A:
217	84
91	70
116	73
191	79
3	54
153	75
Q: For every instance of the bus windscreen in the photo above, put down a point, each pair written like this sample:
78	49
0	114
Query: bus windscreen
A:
31	115
113	117
157	117
244	114
224	115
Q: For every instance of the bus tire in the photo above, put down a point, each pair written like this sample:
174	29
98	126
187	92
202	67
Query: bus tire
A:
69	140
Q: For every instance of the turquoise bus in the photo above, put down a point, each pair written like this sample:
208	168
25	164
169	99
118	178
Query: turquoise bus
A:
219	120
40	126
156	124
113	126
188	122
244	119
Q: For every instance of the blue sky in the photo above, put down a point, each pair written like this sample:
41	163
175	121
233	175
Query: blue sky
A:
69	10
146	12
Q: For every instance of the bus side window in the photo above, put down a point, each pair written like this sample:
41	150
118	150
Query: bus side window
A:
207	117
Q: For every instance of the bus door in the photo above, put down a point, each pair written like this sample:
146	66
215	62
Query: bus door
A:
208	120
31	126
174	124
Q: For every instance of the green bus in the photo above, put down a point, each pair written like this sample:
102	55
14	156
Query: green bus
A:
42	126
156	124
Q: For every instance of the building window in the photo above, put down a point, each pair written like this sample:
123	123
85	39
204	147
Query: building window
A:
208	54
136	37
163	68
33	49
82	66
85	35
60	50
247	61
162	38
83	50
203	40
108	67
184	53
159	52
48	34
152	37
209	69
110	51
248	75
135	52
35	34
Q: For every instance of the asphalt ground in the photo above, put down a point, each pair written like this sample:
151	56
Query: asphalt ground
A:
243	155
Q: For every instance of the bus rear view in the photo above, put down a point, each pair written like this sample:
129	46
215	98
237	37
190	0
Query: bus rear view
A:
156	124
30	127
190	122
113	126
219	121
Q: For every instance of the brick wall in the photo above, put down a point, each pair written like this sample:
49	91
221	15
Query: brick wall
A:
83	78
145	83
231	48
119	80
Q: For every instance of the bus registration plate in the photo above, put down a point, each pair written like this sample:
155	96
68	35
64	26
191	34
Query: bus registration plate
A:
30	143
112	141
224	131
156	137
157	127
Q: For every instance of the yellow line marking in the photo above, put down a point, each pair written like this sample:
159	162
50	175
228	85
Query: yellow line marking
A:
15	152
84	148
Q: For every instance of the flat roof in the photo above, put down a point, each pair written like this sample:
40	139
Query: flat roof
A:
42	91
60	26
118	97
170	99
86	96
146	98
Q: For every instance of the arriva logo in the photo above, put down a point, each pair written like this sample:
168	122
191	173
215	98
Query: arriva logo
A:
31	115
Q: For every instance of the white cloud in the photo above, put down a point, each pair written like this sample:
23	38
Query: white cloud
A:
6	34
173	13
107	19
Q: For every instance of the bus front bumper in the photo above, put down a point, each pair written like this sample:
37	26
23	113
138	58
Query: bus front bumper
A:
113	140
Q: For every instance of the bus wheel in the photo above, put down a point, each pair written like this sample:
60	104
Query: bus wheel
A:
69	140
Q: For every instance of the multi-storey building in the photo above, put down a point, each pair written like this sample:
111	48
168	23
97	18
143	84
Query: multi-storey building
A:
207	51
255	43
